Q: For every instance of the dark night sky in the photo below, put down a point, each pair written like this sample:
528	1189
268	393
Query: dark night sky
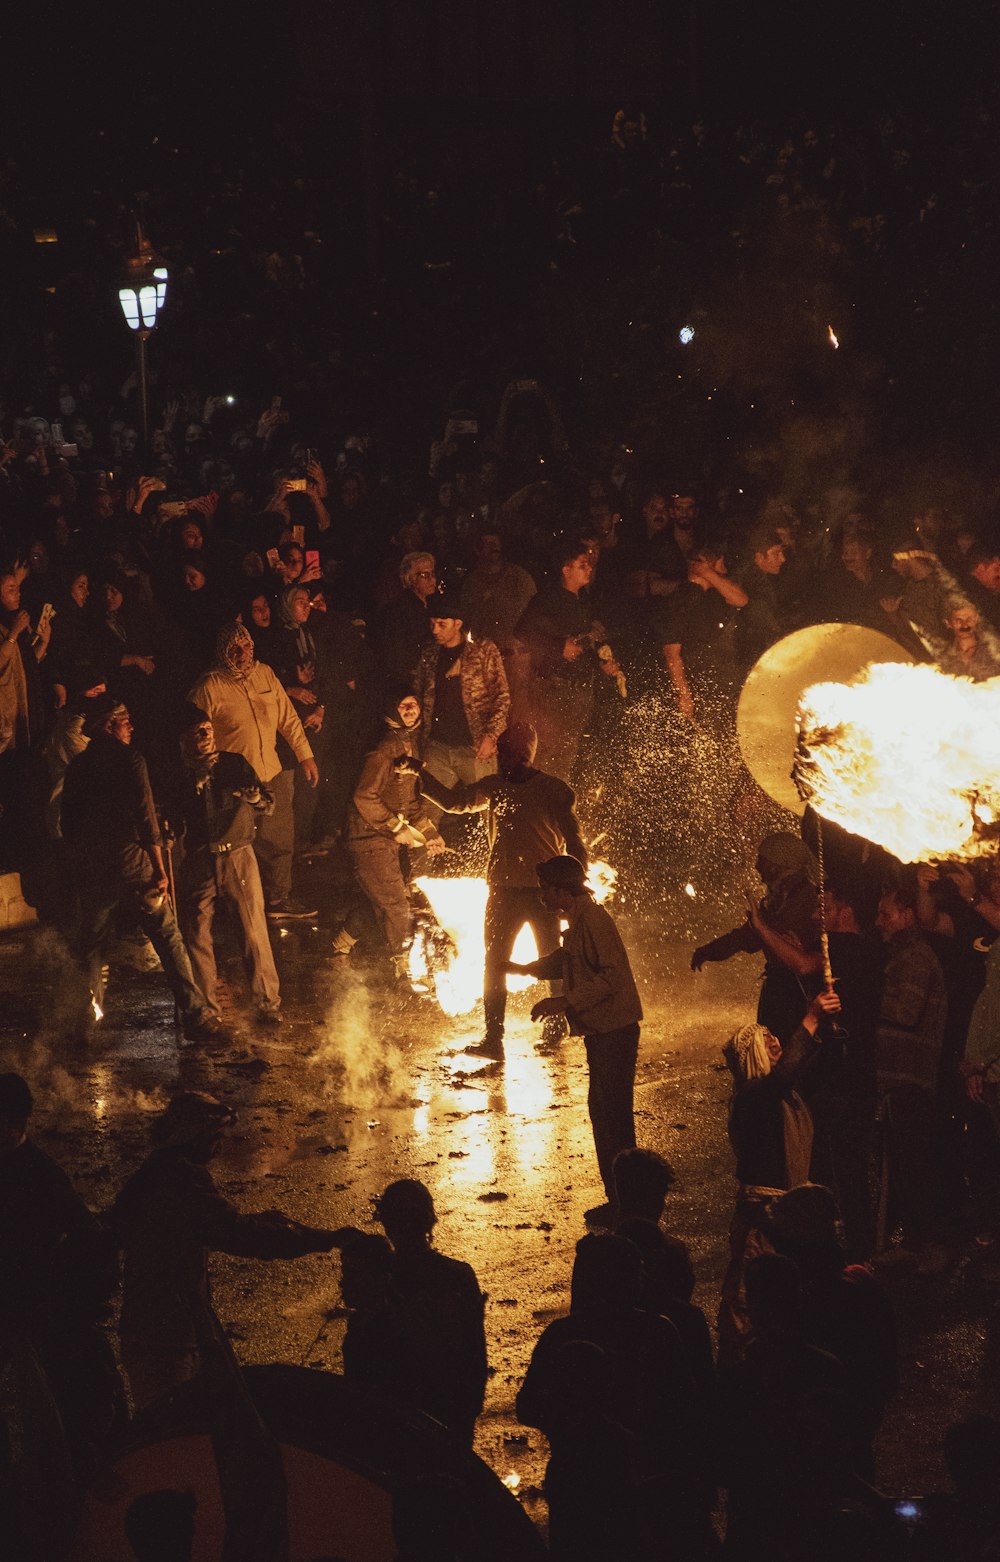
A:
214	74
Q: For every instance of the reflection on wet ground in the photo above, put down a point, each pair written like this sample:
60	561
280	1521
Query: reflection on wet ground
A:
362	1085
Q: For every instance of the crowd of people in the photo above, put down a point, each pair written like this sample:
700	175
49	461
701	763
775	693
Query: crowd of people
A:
255	644
241	680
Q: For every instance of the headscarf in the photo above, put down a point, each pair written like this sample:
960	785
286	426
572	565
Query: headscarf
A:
305	645
229	637
747	1055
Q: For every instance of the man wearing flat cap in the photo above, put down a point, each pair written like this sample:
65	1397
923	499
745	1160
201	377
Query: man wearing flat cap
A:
601	1002
464	699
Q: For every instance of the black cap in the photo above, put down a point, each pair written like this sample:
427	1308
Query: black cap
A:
445	604
562	873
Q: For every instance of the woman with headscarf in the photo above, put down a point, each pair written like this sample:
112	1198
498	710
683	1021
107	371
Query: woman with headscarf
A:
771	1132
790	875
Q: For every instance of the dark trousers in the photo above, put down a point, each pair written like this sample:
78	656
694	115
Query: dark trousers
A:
207	877
98	905
561	713
275	843
844	1160
909	1121
382	871
507	910
611	1059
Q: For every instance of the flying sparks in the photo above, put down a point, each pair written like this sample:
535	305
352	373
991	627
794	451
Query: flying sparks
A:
906	756
98	1012
832	336
689	889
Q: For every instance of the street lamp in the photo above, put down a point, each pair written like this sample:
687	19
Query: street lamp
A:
142	296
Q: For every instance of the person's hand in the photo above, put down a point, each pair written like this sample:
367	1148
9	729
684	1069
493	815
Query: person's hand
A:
699	957
410	836
310	770
487	747
571	650
302	696
19	623
315	473
435	845
279	499
546	1006
211	407
963	881
248	794
610	666
753	909
170	411
825	1003
974	1080
927	875
890	605
701	572
314	721
159	885
306	671
59	695
513	968
144	486
311	572
145	664
205	505
267	423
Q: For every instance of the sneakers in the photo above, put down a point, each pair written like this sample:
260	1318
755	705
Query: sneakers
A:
489	1047
343	943
289	910
208	1027
603	1215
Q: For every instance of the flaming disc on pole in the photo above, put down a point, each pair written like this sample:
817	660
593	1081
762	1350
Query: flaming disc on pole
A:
766	719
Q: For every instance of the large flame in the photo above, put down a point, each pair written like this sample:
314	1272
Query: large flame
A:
460	908
908	757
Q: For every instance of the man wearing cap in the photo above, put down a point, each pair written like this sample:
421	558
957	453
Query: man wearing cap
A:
530	816
168	1218
216	805
462	689
601	1002
249	708
110	824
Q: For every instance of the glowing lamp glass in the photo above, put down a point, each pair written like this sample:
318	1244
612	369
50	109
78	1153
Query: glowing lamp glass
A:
686	334
130	307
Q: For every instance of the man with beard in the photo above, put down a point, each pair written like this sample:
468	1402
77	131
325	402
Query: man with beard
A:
389	833
248	708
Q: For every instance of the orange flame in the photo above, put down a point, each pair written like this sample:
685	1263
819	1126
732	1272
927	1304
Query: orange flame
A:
906	756
97	1010
460	907
832	336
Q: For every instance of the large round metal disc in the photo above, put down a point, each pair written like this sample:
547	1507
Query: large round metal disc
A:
765	718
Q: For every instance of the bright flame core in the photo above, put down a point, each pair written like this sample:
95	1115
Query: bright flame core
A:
908	757
832	336
460	907
97	1010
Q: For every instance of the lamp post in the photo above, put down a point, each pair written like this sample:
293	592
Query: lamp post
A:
142	296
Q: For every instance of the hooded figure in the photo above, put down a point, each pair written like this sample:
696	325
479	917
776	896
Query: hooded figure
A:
788	907
389	814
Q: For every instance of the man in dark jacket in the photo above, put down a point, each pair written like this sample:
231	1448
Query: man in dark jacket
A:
109	821
168	1218
563	642
531	817
388	818
216	804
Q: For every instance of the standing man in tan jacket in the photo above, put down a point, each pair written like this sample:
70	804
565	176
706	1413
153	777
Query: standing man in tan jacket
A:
464	700
601	1002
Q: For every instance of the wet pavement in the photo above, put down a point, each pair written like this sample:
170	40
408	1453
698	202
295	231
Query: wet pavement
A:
360	1086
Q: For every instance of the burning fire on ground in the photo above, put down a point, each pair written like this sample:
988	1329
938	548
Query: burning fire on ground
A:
906	756
449	957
